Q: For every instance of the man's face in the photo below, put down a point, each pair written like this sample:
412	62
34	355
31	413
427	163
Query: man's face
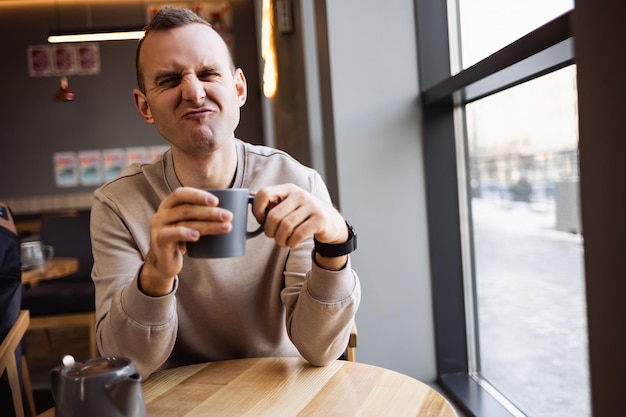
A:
191	94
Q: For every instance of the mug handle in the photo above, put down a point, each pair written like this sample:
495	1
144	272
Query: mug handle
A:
258	231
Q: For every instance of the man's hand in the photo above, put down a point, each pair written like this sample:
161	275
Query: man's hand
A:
295	215
182	217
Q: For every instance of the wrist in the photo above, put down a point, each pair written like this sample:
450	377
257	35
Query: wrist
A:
330	264
332	250
152	286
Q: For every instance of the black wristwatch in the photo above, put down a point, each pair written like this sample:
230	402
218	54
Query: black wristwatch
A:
328	250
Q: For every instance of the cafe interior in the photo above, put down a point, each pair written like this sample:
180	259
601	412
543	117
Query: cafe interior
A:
370	95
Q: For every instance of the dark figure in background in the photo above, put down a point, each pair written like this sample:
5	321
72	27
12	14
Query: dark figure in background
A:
10	293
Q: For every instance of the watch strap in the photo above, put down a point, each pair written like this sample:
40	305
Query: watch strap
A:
330	250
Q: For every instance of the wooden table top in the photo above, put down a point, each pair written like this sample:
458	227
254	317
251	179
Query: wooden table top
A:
56	268
277	387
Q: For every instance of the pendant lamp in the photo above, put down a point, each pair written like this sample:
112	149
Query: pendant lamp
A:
64	93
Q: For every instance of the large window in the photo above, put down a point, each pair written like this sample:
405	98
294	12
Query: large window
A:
530	322
502	155
527	297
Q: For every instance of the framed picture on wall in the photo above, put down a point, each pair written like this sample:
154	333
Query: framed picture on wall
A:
137	154
65	169
90	167
87	58
39	61
64	59
114	163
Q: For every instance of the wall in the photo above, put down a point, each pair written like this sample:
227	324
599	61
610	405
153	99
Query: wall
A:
599	30
33	126
373	68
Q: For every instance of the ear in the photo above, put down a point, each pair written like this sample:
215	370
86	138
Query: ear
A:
142	106
241	86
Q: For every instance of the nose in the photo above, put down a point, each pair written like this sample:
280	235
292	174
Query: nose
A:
193	89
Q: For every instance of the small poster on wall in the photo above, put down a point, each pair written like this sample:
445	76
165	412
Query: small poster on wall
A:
88	58
64	59
39	61
136	154
90	168
114	163
65	169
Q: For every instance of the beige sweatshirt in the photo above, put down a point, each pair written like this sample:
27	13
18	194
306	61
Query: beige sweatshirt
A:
271	302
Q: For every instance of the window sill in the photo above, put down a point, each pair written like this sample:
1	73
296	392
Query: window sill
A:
467	394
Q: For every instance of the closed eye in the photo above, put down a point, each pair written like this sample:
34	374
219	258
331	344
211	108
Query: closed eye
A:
168	81
208	75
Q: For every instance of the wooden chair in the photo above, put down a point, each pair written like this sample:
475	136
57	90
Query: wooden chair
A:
8	362
352	343
69	301
350	353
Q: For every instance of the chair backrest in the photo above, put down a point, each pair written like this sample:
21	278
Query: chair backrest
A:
69	234
10	272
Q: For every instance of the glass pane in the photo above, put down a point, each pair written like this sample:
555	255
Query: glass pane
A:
528	251
489	25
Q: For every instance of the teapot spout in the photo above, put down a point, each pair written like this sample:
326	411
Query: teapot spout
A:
127	395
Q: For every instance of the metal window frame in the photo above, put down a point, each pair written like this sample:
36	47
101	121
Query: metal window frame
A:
544	50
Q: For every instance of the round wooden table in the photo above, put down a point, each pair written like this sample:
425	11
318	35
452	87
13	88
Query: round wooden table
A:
277	387
56	268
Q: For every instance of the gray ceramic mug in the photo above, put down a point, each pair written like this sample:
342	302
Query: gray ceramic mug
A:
231	244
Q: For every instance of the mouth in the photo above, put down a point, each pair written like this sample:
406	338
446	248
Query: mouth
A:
197	114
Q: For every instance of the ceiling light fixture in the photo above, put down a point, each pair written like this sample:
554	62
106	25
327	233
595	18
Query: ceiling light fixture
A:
91	34
96	35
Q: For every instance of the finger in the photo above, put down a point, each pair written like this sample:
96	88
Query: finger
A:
267	198
169	237
209	227
193	217
189	195
295	228
293	221
278	214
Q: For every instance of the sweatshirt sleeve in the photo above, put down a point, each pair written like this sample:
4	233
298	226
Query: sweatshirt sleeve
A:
320	312
128	322
320	304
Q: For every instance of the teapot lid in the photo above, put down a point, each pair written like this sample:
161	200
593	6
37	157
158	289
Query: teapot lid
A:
98	366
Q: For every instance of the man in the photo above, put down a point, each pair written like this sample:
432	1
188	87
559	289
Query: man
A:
161	308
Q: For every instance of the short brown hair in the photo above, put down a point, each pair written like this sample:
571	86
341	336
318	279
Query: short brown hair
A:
168	18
